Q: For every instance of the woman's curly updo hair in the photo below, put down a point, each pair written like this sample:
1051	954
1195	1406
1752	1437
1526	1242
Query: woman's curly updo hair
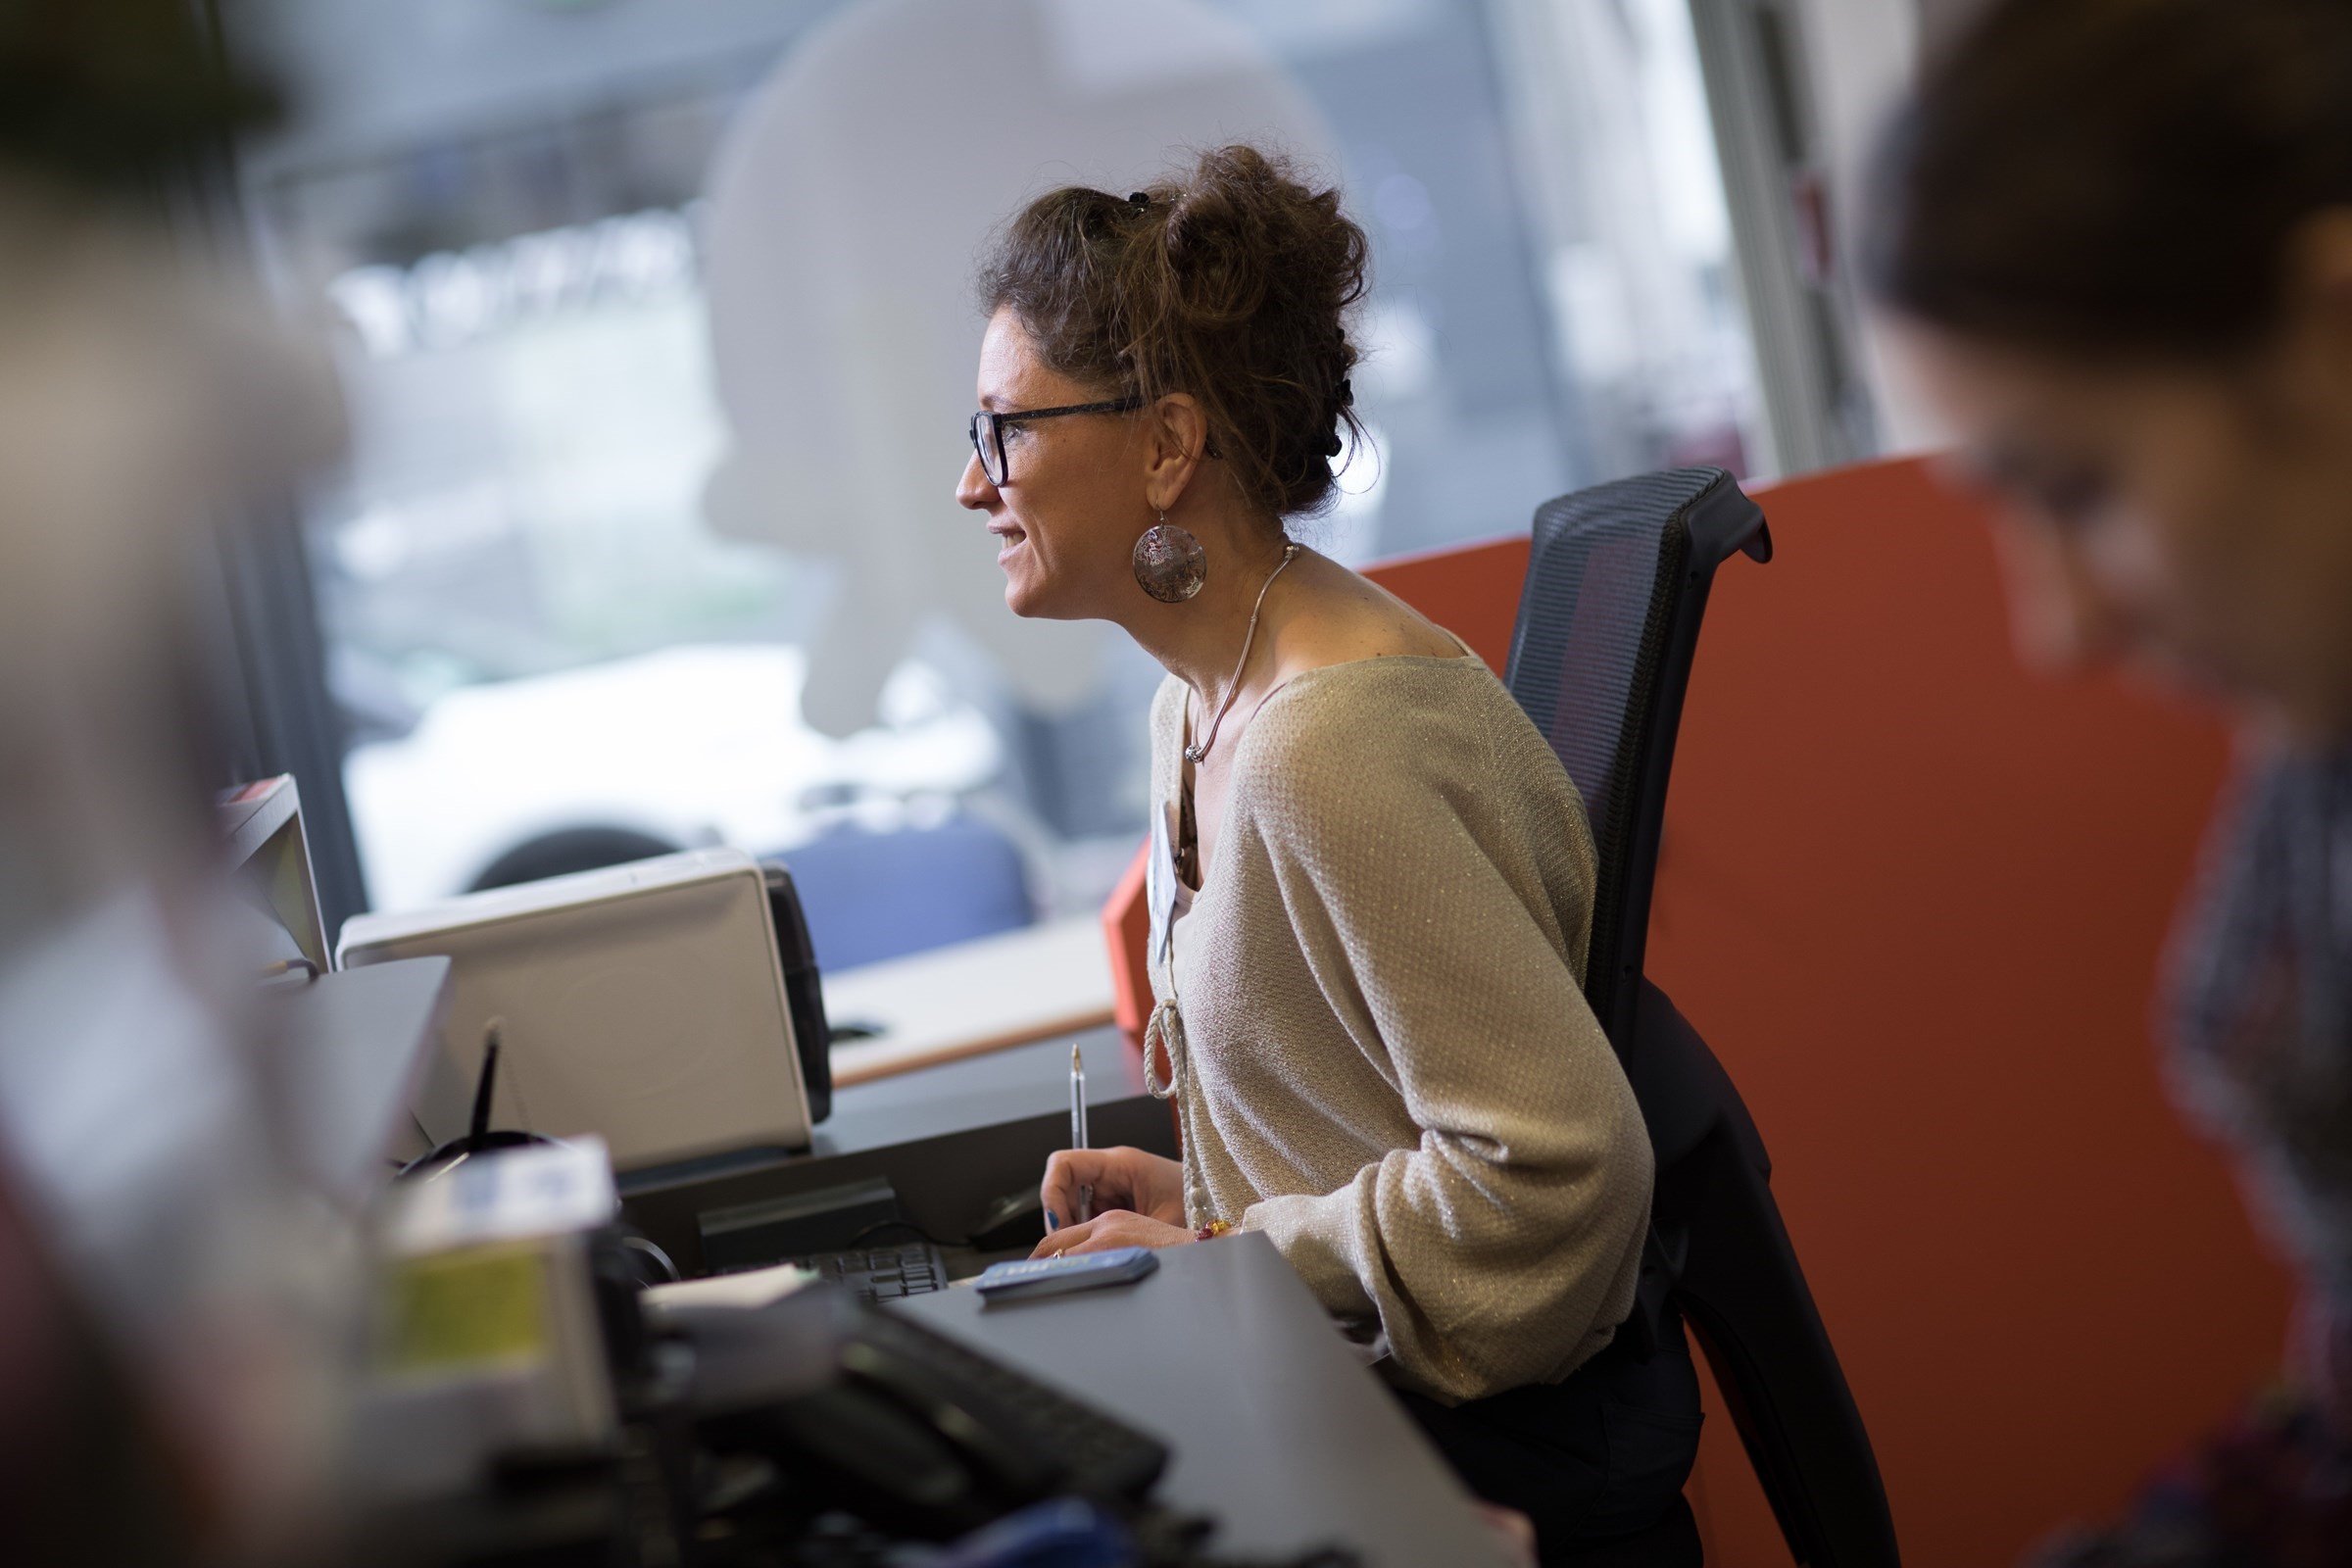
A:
1231	282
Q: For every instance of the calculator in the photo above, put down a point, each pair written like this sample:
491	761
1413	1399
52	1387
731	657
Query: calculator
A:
1072	1271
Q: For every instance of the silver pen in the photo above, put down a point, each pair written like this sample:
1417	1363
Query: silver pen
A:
1086	1190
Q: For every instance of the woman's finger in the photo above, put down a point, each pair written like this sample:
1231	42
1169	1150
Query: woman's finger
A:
1125	1228
1094	1173
1513	1529
1112	1230
1065	1171
1064	1240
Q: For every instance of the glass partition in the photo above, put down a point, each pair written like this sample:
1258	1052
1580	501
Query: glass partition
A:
657	336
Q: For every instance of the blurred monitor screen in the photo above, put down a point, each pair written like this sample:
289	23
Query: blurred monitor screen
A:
271	863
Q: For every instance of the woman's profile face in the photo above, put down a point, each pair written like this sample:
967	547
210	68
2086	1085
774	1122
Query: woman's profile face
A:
2193	521
1072	503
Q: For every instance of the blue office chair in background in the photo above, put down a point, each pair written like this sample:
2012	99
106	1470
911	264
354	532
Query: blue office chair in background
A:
871	896
1609	623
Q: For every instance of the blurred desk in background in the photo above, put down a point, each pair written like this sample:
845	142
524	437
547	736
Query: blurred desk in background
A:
969	1000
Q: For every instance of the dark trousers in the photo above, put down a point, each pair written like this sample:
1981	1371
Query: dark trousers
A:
1595	1460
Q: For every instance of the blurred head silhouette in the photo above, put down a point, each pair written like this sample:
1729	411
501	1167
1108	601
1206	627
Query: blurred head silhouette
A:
2116	237
847	212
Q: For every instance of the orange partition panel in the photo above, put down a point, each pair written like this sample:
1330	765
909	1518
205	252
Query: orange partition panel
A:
1914	897
1127	931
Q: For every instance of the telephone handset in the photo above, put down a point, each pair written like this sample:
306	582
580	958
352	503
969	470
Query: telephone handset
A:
984	1435
903	1426
898	1446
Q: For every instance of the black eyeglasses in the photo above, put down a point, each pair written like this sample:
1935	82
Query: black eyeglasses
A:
988	429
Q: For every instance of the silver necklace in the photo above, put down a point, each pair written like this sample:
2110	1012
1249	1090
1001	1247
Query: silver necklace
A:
1233	687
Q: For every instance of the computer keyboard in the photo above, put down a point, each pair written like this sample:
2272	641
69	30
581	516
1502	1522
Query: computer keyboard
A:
1094	1454
882	1273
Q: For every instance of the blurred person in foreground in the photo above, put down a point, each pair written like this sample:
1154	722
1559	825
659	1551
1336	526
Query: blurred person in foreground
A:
166	1354
2115	240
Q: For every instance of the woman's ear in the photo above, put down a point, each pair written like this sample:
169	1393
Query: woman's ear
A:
1179	434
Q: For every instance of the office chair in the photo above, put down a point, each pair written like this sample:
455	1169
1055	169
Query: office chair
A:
567	850
1608	623
871	896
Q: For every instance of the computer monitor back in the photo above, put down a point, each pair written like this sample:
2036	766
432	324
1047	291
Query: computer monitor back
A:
643	1003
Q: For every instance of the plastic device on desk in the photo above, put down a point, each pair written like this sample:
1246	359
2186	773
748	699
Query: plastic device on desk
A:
882	1273
1056	1276
903	1426
670	1005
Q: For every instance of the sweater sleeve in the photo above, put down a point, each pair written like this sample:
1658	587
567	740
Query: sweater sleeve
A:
1435	892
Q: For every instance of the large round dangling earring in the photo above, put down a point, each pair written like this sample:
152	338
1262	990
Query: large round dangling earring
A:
1169	564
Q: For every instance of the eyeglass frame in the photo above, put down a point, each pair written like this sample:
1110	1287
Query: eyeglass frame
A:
993	422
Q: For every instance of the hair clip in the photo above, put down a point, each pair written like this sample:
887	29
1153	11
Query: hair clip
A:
1139	200
1347	393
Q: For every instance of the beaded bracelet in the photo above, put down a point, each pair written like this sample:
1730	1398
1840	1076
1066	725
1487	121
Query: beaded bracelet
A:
1212	1229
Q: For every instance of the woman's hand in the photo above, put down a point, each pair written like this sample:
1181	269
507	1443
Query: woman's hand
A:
1147	1185
1118	1228
1513	1530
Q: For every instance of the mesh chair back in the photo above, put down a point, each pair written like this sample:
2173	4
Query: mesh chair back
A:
1617	584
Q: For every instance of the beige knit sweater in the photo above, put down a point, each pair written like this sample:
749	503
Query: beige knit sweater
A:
1384	1058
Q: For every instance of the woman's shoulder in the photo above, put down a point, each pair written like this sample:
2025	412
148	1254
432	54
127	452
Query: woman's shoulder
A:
1358	725
1381	695
1405	751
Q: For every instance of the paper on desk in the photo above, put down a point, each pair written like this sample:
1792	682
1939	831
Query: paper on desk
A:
752	1288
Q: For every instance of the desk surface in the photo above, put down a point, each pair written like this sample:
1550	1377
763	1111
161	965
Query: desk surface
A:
1278	1433
970	998
1028	1079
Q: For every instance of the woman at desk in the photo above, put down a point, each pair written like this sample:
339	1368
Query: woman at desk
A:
1371	880
2116	237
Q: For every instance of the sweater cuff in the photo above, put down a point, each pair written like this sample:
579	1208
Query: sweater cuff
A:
1315	1236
